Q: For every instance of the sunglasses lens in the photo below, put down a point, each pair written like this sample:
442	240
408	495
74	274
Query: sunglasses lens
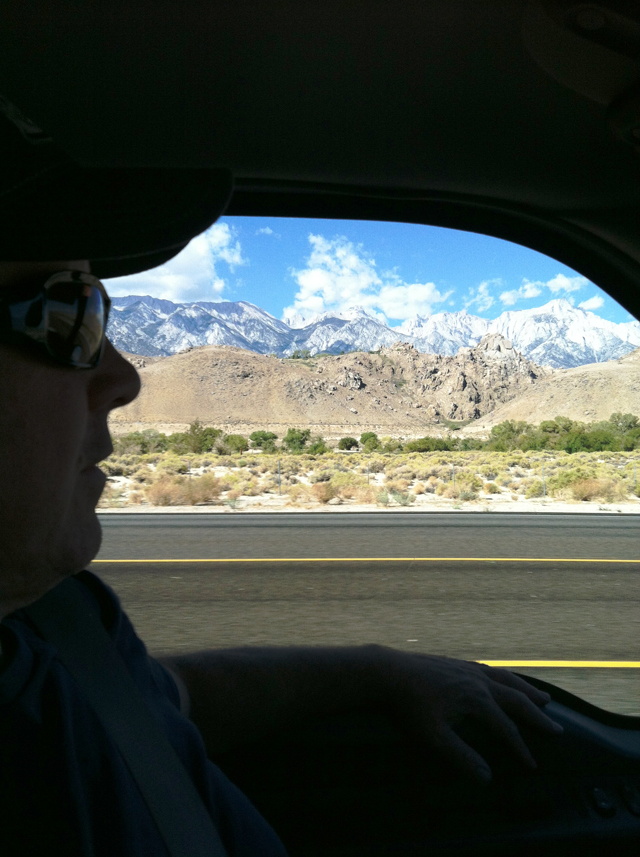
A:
75	322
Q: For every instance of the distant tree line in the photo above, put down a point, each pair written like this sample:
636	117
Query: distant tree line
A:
621	432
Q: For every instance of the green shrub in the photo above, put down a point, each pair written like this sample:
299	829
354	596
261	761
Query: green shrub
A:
369	441
295	440
318	446
347	443
112	466
534	489
144	474
468	495
260	438
468	481
429	444
564	479
488	472
171	464
236	442
141	442
320	476
623	422
402	498
197	439
347	484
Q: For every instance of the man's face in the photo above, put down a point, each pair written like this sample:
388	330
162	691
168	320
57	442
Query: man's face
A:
53	431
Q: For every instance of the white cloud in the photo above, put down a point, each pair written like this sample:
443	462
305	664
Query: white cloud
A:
192	275
481	298
339	275
526	291
267	230
561	283
407	300
533	289
592	303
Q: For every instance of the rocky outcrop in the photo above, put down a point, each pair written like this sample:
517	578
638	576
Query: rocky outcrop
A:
466	386
393	389
352	380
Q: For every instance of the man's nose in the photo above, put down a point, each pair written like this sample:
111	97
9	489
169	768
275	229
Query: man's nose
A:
115	382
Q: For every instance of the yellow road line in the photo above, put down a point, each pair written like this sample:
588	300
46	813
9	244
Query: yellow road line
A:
633	665
374	559
507	664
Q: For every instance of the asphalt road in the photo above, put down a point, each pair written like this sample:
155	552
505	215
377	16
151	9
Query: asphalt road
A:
492	609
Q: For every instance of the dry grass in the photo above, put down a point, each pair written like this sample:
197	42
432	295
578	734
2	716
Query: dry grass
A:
397	486
447	491
112	497
181	491
324	491
167	479
366	495
585	490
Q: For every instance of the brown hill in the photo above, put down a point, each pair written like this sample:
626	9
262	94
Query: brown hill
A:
397	390
586	393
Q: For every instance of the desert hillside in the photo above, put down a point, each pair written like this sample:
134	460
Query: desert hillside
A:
585	393
396	390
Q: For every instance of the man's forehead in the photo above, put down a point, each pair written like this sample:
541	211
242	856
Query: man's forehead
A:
15	272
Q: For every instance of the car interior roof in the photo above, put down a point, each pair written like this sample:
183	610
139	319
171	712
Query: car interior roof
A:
512	118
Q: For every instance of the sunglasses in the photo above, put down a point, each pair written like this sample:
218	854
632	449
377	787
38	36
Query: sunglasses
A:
67	318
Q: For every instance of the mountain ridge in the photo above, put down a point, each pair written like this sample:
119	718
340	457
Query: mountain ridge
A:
556	334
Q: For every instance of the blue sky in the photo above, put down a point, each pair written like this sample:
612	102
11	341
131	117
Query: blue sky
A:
293	266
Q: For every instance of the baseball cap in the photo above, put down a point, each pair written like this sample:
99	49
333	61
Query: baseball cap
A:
123	219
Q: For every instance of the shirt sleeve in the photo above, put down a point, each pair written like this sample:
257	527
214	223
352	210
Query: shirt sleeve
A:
165	681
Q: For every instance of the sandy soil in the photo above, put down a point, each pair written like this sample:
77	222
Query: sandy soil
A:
423	503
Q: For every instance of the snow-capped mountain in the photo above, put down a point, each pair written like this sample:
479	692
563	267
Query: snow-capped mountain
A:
145	325
351	330
444	332
559	334
556	334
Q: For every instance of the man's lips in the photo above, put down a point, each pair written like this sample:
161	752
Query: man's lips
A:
97	461
96	476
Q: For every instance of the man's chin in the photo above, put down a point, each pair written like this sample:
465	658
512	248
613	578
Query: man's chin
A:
83	542
40	568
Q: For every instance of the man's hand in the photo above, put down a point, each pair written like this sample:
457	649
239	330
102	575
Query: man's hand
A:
432	696
239	695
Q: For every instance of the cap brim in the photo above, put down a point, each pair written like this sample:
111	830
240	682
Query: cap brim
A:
123	220
105	269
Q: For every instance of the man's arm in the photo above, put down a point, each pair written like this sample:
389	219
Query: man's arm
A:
239	695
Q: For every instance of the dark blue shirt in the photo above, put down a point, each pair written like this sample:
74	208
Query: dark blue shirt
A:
64	787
